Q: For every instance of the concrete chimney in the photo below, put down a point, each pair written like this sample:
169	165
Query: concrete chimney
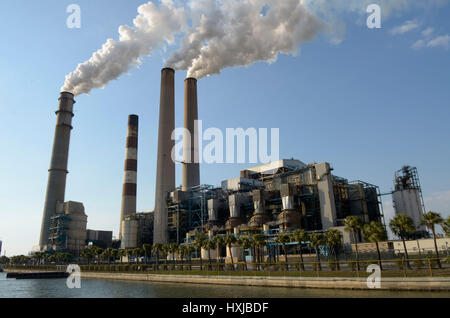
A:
130	171
191	169
165	170
57	173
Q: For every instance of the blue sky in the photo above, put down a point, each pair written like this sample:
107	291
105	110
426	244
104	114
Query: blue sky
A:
367	105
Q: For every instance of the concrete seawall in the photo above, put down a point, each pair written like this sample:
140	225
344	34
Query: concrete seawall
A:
405	284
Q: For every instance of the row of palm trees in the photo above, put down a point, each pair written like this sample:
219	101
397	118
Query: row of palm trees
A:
403	226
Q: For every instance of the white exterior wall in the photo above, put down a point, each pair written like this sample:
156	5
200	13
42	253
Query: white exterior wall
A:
408	202
425	245
326	195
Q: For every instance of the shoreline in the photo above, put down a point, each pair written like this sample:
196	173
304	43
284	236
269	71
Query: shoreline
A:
349	283
388	283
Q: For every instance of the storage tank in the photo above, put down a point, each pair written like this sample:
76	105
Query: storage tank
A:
407	197
130	226
76	228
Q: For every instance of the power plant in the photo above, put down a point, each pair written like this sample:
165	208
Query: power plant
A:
279	196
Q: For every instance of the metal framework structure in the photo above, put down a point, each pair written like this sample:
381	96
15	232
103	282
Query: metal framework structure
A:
408	178
58	232
189	213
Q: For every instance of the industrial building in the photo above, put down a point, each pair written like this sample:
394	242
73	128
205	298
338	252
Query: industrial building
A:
283	195
407	196
137	229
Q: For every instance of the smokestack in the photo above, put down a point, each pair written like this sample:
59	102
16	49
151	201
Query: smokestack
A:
191	169
130	171
165	170
57	173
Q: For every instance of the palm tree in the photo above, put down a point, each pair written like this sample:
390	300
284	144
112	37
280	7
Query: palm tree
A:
98	251
316	240
189	249
402	225
333	240
199	243
259	242
114	254
181	251
121	254
173	248
353	225
138	253
446	226
157	248
209	245
147	250
430	219
283	238
107	255
219	240
230	240
244	243
129	253
375	232
300	236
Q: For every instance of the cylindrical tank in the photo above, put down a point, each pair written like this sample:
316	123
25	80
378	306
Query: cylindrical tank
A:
76	229
130	228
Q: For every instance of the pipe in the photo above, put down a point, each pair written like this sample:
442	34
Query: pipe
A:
130	171
165	170
191	169
56	185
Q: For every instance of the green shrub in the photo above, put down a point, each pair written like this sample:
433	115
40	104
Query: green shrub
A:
418	263
332	264
352	265
298	266
448	259
315	266
431	261
400	263
229	267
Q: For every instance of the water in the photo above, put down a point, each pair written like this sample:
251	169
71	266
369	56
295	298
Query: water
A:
96	288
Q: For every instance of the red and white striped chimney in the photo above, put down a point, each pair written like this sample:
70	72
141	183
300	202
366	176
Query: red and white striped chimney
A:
130	171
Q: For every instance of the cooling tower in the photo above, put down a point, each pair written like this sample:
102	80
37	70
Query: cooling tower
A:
130	171
56	186
165	166
191	169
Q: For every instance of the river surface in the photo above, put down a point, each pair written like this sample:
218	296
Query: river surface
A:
100	288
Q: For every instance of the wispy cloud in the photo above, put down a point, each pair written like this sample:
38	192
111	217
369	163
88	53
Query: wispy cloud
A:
405	27
418	44
427	32
440	41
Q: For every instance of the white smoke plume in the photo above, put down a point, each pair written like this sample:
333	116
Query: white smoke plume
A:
240	33
153	26
215	34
